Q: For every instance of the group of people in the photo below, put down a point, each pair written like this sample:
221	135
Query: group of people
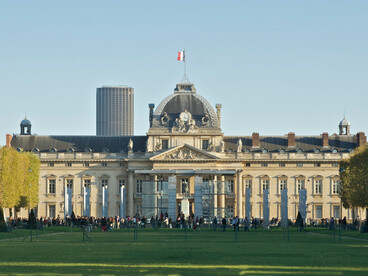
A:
164	221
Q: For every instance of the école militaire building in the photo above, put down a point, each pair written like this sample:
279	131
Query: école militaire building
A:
185	148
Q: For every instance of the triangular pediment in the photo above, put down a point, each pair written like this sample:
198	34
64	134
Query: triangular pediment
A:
183	152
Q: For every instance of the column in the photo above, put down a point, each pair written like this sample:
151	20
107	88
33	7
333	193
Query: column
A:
130	211
221	197
239	196
215	195
156	194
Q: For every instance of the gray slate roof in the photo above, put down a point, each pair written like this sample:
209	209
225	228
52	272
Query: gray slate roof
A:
305	143
78	143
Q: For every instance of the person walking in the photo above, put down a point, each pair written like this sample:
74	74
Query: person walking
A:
223	224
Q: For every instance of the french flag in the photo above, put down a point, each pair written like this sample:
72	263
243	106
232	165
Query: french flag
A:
181	56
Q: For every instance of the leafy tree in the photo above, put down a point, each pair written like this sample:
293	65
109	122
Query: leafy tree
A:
19	173
354	180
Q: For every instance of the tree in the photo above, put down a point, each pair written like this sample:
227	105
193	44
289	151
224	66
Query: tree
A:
354	180
19	173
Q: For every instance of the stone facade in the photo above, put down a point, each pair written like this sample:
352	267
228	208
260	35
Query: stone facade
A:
184	147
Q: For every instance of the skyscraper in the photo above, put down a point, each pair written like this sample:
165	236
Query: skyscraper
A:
115	111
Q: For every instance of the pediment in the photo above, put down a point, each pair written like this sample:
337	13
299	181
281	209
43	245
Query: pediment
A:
183	152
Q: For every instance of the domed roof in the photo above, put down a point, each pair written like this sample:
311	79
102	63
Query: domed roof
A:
185	99
25	122
344	122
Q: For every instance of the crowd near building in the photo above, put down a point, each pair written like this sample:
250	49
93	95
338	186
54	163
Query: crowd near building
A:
186	165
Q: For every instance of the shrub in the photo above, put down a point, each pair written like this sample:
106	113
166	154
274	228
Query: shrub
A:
32	221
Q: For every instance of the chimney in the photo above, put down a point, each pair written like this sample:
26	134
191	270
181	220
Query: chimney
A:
291	139
8	140
325	143
218	112
361	139
255	140
151	107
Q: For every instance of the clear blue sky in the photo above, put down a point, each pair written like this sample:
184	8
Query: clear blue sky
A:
276	66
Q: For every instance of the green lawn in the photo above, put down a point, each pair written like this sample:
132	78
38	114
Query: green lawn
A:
166	252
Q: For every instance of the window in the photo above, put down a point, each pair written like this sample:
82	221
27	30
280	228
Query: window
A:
335	186
336	211
318	186
299	164
230	211
69	183
104	183
121	182
231	185
69	164
104	164
165	143
87	183
283	184
248	185
51	164
265	184
318	211
317	164
335	164
282	165
264	164
184	185
300	183
205	143
52	211
139	186
247	164
52	186
86	164
121	164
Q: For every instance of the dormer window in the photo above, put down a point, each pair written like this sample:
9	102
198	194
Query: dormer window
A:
105	150
35	150
264	151
246	150
281	151
334	150
299	151
53	150
19	149
316	151
70	150
88	150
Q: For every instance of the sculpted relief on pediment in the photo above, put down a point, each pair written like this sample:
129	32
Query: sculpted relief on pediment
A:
183	154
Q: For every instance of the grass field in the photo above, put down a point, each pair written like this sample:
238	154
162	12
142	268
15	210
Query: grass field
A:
167	252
